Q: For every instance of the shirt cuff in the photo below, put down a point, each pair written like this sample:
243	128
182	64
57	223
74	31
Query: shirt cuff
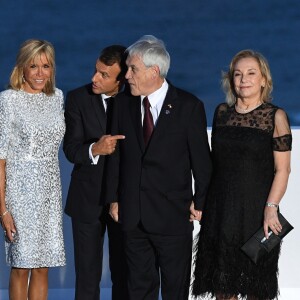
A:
92	158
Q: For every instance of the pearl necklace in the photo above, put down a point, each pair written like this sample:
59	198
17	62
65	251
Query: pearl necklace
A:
247	109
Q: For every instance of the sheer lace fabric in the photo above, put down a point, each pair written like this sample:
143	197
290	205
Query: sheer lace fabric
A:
242	152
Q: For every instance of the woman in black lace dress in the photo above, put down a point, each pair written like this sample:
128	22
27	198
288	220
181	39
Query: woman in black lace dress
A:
251	144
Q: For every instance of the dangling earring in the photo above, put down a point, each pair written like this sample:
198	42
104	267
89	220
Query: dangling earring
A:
23	78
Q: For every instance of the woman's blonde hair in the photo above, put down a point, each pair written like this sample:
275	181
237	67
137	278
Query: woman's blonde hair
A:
227	78
29	50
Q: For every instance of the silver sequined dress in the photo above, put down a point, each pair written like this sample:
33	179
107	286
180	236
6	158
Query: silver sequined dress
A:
31	130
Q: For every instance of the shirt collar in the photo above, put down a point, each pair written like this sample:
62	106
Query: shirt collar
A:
158	95
105	96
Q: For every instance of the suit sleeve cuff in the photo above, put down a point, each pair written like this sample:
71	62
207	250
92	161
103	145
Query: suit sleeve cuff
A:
199	205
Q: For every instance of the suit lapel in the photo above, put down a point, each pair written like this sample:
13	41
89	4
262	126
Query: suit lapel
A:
99	110
135	110
165	114
163	119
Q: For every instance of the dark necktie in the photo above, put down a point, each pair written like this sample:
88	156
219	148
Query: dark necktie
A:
148	121
108	102
109	106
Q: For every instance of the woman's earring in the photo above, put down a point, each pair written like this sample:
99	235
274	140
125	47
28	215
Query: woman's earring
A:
23	78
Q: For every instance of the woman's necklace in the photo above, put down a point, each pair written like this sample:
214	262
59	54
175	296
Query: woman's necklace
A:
247	109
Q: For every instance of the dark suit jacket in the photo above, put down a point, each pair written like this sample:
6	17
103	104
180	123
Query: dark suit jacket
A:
154	185
85	123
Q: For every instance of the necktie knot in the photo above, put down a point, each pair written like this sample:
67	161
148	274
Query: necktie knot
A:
108	102
146	103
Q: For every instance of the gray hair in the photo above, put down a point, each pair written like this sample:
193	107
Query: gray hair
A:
153	52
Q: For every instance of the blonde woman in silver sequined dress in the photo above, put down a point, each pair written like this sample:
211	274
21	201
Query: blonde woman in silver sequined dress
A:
31	129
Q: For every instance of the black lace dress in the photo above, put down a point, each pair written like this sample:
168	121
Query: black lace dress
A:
242	153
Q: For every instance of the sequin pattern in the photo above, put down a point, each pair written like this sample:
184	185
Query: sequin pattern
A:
31	130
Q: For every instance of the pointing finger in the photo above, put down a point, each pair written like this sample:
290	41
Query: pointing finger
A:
117	137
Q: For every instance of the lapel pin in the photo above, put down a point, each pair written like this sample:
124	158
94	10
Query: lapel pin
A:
167	111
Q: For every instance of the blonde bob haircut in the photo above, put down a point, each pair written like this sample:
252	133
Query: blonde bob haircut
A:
28	51
227	77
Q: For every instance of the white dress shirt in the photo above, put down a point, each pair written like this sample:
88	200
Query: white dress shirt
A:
156	100
95	159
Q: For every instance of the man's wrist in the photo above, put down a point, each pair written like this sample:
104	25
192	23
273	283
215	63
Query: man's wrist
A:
93	158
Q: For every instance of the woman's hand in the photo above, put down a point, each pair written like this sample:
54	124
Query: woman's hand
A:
271	221
8	225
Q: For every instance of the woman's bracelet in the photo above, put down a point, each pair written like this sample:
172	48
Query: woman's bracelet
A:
6	212
269	204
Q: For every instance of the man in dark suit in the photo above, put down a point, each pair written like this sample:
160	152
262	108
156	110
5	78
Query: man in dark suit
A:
150	178
86	144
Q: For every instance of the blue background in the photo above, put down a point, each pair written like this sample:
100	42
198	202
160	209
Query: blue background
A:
201	37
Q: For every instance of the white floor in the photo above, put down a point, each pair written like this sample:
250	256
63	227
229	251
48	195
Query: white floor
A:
289	294
63	294
68	294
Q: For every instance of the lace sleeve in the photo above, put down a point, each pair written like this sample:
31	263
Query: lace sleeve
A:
219	112
282	137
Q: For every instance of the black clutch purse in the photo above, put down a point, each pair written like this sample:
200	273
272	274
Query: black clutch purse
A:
258	246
